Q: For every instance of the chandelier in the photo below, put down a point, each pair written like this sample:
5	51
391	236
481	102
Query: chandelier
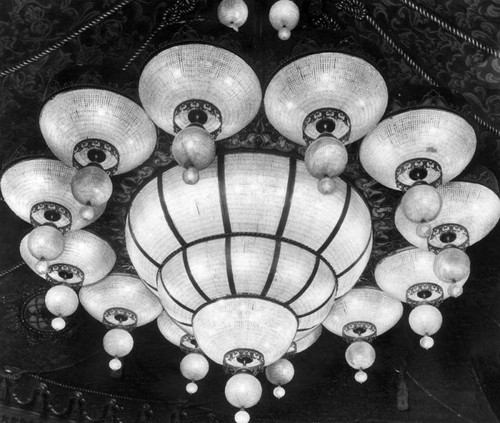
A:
243	256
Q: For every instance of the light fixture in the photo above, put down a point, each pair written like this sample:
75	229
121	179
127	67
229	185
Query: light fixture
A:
284	16
232	13
425	140
325	100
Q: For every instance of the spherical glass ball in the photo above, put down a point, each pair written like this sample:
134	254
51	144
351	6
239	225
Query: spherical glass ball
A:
361	376
279	392
87	213
232	13
326	156
243	390
424	230
58	323
46	242
421	203
115	364
194	366
452	265
191	176
91	185
191	388
360	355
194	147
426	342
326	185
41	267
61	300
455	290
284	16
118	342
425	319
242	417
280	372
284	34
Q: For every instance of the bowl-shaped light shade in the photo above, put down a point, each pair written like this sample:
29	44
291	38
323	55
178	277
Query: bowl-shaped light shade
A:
61	300
118	342
39	191
280	372
169	329
200	72
120	291
425	320
244	323
472	206
80	114
86	258
325	80
243	390
303	342
407	267
364	305
250	193
427	133
45	242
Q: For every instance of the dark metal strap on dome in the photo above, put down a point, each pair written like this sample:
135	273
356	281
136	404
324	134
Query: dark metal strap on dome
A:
448	235
118	317
418	170
243	360
424	293
355	331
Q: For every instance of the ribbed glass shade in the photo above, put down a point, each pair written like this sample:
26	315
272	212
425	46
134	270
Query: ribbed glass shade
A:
82	114
200	72
28	185
120	291
325	80
396	273
244	323
248	202
364	305
86	259
470	205
430	133
303	343
169	329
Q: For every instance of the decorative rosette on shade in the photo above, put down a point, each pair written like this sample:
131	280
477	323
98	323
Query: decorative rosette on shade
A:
250	256
357	317
121	302
85	259
332	98
200	92
38	190
470	210
424	141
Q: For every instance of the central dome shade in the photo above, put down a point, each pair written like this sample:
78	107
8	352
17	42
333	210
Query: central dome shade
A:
265	199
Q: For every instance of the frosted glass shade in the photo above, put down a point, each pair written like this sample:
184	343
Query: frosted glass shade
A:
200	72
171	332
120	291
302	343
86	258
80	114
364	305
38	191
440	135
404	268
325	80
470	205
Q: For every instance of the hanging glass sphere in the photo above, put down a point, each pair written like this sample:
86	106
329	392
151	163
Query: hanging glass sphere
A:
284	16
118	342
421	203
58	323
243	390
424	230
280	372
191	176
42	267
452	265
455	290
193	147
360	355
426	342
232	13
279	392
87	213
61	300
46	242
91	185
115	364
194	366
425	320
242	417
325	159
191	388
361	376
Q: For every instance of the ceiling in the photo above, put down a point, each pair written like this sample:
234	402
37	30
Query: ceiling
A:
452	43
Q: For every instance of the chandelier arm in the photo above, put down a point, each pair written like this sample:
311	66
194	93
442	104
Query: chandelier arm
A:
451	28
59	44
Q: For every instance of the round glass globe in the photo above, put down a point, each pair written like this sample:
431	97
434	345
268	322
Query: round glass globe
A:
87	213
243	390
41	267
426	342
58	323
191	388
61	300
232	13
242	417
326	185
194	147
118	342
455	290
115	364
424	230
326	156
451	265
425	319
421	203
194	366
191	176
360	355
279	392
361	376
91	185
280	372
284	34
46	242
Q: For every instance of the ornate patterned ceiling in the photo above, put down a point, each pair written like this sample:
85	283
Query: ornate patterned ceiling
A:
451	43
